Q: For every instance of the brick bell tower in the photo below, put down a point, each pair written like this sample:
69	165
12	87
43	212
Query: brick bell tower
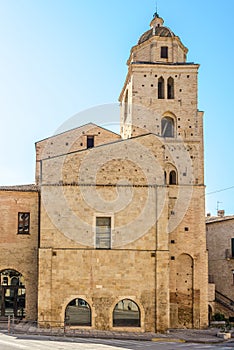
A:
160	96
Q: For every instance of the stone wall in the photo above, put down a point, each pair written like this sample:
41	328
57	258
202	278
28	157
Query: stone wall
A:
126	182
102	278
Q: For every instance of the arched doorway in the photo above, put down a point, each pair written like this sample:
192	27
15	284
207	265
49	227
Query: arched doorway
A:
184	291
126	314
210	314
78	313
12	294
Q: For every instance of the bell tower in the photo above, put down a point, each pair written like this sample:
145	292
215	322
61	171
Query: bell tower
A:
159	80
160	93
160	97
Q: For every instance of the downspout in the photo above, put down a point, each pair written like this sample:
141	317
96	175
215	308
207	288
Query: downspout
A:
38	230
39	206
156	248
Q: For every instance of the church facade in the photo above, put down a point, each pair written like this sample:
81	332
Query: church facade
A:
112	236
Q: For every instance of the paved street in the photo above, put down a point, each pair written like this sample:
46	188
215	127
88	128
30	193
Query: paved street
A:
43	343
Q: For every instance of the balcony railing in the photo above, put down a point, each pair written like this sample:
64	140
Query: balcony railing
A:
224	300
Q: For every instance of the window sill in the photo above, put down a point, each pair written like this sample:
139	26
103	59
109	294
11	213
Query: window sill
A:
103	248
127	329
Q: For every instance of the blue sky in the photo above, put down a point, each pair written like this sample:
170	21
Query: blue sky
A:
60	57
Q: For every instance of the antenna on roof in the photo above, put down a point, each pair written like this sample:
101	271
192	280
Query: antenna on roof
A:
217	208
220	213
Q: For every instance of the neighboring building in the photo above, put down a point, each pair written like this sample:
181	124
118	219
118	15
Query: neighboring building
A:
220	244
121	232
19	250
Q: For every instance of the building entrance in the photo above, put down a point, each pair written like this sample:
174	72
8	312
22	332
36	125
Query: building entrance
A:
12	294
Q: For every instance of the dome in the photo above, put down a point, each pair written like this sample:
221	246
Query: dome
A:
158	31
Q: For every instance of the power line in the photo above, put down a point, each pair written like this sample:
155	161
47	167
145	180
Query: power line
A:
222	190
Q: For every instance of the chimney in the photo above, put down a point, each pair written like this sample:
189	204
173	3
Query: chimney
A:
221	213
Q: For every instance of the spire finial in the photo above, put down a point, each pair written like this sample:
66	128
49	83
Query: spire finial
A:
156	15
157	21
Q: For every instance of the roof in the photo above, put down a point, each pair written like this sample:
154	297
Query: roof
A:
98	146
166	63
159	31
213	219
20	188
88	125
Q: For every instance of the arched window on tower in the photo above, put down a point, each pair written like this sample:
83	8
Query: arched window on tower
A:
126	106
161	88
173	178
170	88
167	127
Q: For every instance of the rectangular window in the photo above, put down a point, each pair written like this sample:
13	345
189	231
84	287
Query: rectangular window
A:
90	141
103	232
232	247
164	52
23	223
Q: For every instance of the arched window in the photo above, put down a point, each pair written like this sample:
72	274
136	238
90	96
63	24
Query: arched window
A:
78	313
12	292
161	88
167	127
172	178
170	88
126	106
126	314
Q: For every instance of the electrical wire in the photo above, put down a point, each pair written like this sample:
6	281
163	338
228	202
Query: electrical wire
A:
222	190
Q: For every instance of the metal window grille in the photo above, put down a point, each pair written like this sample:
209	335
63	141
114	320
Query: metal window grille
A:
23	223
